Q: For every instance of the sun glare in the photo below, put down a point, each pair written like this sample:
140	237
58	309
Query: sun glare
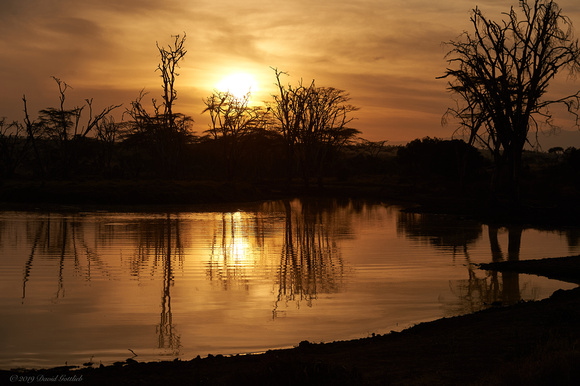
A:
239	84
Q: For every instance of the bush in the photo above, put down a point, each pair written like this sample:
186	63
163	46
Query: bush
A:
452	159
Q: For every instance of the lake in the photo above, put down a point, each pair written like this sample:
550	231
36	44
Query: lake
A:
102	286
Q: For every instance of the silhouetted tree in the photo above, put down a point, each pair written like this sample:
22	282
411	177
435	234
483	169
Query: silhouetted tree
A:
108	133
163	134
63	127
13	147
288	110
159	146
170	58
314	122
439	158
32	132
233	120
501	73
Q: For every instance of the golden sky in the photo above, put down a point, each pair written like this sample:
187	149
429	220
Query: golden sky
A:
386	54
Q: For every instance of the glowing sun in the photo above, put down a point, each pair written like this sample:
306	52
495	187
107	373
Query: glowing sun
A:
239	84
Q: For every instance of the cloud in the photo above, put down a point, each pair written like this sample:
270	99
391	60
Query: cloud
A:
385	53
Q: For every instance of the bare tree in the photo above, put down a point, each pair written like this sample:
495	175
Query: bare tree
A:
59	123
288	111
63	126
233	120
109	133
170	58
32	132
314	122
501	73
13	147
163	133
162	142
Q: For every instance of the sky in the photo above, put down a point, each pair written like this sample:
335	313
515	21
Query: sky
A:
386	54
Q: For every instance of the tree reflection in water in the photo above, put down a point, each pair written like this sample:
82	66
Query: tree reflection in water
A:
310	262
284	254
231	252
456	234
57	239
160	238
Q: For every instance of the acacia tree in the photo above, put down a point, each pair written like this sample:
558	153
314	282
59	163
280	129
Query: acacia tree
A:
288	110
501	73
314	122
233	120
324	130
64	128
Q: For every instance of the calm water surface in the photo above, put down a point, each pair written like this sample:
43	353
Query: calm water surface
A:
82	287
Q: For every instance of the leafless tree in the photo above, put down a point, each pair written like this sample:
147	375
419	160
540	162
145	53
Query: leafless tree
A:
232	120
314	121
13	146
501	73
170	58
108	133
162	133
63	126
162	142
32	133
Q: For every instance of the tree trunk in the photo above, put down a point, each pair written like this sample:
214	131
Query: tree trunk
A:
514	172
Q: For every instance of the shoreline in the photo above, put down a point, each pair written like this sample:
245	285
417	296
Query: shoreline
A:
534	342
179	195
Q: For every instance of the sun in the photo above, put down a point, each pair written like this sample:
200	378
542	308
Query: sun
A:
239	84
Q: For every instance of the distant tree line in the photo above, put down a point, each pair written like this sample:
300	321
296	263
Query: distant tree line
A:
297	135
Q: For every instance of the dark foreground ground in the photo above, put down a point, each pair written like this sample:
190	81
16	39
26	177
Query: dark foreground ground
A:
530	343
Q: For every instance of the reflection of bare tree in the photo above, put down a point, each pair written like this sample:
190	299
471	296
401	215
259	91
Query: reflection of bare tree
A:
310	262
477	293
511	282
160	239
166	329
441	231
229	250
474	293
30	260
58	239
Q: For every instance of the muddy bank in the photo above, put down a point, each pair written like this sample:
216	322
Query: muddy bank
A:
532	343
561	268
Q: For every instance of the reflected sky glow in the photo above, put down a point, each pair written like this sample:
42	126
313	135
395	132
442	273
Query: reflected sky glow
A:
76	286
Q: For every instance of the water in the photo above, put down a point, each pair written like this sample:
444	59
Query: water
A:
98	286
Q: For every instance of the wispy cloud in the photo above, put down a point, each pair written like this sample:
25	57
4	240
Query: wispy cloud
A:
386	53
